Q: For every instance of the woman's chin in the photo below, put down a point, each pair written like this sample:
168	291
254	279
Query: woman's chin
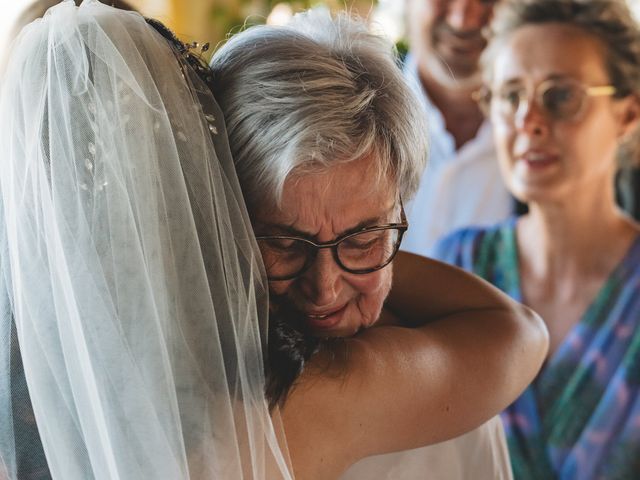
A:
346	328
336	332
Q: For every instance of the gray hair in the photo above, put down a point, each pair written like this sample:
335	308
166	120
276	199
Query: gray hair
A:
315	93
610	21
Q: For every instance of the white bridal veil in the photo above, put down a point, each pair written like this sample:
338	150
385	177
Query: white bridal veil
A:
133	303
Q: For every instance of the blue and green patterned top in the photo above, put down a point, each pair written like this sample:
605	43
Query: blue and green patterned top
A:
580	418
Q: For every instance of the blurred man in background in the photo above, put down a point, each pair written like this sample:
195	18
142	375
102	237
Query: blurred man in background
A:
461	185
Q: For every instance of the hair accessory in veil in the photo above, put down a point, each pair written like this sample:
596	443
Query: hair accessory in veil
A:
133	300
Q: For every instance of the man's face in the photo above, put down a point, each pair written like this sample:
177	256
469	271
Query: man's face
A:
446	38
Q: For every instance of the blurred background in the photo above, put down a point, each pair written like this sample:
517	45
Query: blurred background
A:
211	20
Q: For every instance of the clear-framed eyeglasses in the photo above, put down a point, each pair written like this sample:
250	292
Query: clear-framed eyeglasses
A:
364	251
560	99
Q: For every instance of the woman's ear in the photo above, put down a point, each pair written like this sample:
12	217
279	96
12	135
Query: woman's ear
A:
629	115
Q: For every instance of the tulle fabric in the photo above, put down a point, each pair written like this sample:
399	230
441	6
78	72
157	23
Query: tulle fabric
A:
132	299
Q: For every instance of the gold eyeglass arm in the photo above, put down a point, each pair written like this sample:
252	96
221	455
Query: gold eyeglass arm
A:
601	91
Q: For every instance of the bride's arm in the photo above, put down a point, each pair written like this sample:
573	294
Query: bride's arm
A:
425	290
393	388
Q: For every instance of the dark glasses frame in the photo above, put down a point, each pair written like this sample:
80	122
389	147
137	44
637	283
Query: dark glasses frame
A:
315	247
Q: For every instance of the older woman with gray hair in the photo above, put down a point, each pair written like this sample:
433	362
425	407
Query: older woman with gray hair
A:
562	92
328	142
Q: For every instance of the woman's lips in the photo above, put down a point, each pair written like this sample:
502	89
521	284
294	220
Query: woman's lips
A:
538	160
325	320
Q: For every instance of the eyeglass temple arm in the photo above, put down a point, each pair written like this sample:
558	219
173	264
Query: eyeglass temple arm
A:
601	91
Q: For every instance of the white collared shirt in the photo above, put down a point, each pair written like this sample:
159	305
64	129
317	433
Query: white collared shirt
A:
458	188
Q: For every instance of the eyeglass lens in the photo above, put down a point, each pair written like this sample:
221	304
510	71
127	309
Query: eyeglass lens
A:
368	249
560	100
358	253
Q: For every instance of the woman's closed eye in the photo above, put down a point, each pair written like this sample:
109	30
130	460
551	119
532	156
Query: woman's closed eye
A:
363	241
283	244
284	247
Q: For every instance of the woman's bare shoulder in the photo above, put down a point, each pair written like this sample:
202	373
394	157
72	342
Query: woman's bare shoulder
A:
396	388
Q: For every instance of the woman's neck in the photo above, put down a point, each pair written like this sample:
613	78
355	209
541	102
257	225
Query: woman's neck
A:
567	250
585	234
462	116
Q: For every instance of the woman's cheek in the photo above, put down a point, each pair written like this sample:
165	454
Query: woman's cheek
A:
371	284
372	292
280	288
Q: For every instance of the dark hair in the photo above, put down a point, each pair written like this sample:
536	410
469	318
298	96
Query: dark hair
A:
290	345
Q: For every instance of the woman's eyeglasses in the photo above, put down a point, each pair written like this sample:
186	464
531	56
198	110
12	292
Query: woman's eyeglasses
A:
560	99
364	251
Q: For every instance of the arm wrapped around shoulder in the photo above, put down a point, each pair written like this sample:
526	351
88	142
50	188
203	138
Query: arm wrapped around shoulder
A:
496	345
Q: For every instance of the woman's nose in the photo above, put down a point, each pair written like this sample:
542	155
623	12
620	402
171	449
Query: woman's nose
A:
321	282
532	119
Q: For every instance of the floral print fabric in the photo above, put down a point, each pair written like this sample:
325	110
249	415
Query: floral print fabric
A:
580	418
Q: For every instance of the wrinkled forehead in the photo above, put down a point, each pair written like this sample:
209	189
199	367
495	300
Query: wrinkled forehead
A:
357	186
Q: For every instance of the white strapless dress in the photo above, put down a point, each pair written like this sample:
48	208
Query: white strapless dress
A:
477	455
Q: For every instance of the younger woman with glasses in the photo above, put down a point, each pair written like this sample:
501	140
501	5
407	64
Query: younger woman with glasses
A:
562	92
133	298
